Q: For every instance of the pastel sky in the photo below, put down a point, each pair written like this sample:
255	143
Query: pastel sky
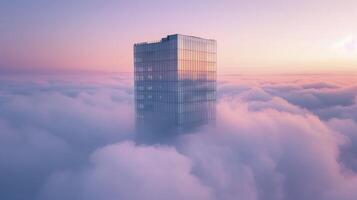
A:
254	36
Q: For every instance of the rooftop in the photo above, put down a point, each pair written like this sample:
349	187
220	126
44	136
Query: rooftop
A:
168	37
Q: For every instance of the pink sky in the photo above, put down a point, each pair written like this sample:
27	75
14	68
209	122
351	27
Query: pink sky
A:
253	36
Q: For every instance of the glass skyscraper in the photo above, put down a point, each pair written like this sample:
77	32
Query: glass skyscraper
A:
175	85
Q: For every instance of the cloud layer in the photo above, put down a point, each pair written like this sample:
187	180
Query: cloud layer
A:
285	138
49	124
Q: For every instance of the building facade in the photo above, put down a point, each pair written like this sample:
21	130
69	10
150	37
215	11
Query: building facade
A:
175	84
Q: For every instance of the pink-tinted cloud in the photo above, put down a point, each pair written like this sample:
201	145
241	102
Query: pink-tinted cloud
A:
126	171
269	154
52	123
275	138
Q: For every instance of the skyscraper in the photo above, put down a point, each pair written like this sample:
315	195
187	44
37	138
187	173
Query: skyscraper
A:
175	85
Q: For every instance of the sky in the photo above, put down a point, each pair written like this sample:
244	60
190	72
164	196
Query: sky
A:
253	36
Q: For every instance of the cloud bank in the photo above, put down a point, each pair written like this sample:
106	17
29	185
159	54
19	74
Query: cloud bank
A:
275	138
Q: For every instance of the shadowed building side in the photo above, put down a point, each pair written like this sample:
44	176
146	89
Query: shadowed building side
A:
175	86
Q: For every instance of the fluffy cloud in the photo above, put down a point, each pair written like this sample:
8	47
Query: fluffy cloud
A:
68	138
126	171
348	157
50	125
326	96
339	111
270	154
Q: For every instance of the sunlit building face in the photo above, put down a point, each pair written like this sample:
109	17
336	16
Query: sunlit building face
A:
175	84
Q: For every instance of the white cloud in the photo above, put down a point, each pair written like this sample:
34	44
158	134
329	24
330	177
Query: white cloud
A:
346	45
127	171
282	140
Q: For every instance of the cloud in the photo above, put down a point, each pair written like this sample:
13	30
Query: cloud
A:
270	154
126	171
274	152
347	44
27	156
315	98
43	129
339	111
348	127
72	138
323	97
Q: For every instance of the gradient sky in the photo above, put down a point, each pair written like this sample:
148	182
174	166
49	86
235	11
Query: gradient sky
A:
254	36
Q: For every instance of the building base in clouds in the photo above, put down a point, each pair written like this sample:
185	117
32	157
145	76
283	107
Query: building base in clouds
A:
156	127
